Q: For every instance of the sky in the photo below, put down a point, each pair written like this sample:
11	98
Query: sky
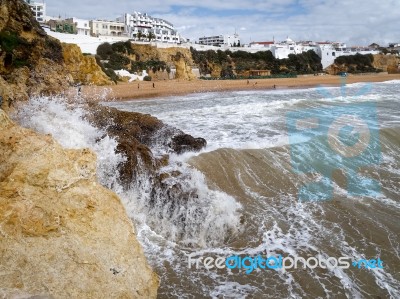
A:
355	22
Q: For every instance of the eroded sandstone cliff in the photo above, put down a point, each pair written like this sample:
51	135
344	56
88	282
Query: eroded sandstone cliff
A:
387	63
82	68
179	58
33	63
61	233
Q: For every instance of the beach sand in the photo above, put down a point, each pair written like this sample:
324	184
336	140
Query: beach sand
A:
130	91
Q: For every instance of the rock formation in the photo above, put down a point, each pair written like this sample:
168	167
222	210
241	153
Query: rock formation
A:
33	63
387	63
179	58
136	133
82	68
62	235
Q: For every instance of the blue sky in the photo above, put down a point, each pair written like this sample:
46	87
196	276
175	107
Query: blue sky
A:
356	22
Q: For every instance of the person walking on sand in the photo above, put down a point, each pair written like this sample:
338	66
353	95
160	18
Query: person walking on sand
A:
138	86
153	85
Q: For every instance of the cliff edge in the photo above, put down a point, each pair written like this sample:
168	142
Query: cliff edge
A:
33	63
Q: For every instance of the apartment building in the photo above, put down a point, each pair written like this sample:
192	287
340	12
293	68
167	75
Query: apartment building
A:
38	9
81	26
141	26
220	40
107	28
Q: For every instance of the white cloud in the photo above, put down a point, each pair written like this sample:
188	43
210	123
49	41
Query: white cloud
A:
354	22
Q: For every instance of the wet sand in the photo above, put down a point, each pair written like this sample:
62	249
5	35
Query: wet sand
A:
142	90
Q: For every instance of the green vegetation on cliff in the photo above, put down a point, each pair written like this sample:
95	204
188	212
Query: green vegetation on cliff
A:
239	63
121	55
357	63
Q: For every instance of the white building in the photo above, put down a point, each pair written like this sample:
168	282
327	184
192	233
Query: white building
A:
38	9
220	40
140	26
82	26
106	28
328	51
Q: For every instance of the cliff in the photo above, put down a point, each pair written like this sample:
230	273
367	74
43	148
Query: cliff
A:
364	64
82	68
62	234
387	63
179	58
32	63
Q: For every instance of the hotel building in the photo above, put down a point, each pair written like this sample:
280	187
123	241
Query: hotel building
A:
38	9
220	40
140	25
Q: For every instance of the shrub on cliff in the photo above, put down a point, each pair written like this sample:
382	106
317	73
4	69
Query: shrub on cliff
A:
118	61
104	51
108	71
123	48
357	63
241	61
147	78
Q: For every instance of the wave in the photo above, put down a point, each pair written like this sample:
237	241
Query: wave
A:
198	216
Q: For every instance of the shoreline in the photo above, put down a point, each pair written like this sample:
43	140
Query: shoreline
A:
141	90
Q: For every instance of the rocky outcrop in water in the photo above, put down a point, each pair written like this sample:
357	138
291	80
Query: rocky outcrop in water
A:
62	235
136	133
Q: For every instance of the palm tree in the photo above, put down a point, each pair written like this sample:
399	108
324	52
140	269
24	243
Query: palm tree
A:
139	35
151	36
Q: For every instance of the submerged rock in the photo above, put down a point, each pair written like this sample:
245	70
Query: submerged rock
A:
184	142
62	235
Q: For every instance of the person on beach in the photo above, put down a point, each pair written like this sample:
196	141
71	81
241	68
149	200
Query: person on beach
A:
248	82
153	85
274	86
138	86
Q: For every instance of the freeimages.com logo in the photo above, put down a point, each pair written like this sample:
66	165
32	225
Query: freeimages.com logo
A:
325	139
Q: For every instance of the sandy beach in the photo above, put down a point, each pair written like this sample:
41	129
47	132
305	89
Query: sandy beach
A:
142	89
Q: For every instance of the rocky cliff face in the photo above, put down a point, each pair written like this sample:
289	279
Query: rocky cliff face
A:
180	58
32	63
387	63
384	63
82	68
63	235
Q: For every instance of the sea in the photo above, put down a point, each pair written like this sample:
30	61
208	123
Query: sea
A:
312	174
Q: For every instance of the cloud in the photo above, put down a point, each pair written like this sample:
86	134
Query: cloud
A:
353	22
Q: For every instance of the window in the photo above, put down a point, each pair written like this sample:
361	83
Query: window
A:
333	53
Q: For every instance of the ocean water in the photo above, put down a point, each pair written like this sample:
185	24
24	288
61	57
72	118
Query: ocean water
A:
244	193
